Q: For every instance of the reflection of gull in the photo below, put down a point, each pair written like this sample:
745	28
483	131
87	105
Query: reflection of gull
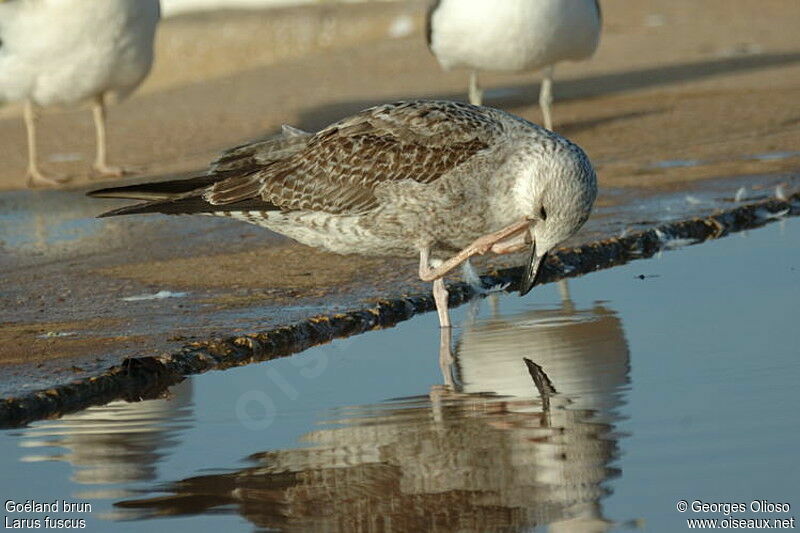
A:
116	443
513	36
65	52
585	356
482	463
427	179
583	350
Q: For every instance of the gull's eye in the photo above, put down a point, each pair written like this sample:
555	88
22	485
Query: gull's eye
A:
543	213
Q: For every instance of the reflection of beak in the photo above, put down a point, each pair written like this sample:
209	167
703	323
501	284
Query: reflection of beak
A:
531	271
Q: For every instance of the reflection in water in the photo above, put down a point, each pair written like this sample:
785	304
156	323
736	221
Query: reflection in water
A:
483	457
38	220
58	224
584	357
120	442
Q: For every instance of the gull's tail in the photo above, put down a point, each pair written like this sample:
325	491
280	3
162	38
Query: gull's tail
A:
164	190
189	196
179	197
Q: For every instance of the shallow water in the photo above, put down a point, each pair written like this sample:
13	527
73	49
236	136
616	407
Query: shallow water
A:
672	379
48	225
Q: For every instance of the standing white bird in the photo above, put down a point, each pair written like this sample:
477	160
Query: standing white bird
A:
67	52
513	36
436	179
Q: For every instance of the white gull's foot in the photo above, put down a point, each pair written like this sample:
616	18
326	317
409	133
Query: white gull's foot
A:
106	171
36	178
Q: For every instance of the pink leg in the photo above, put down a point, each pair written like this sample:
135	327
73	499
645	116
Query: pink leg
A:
35	176
440	297
101	165
516	243
511	238
479	247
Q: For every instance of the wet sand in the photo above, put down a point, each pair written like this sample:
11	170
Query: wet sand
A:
678	92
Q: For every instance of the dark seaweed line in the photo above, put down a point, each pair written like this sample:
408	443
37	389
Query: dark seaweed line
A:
148	377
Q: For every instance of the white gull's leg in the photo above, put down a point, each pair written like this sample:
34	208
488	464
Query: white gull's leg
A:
101	162
546	97
475	92
34	175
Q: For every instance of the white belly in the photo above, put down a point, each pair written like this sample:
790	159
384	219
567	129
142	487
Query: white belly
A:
513	35
340	234
68	51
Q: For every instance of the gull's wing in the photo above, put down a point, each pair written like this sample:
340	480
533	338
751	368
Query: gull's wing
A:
252	156
340	167
336	170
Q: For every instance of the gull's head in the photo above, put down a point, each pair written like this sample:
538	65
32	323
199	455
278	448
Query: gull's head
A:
562	195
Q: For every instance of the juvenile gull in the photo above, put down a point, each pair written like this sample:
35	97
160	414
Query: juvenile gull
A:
440	180
67	52
513	36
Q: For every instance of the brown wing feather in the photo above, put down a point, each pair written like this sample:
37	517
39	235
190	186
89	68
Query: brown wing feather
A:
339	169
252	156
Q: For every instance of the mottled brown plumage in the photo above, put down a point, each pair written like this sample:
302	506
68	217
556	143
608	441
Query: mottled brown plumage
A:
339	168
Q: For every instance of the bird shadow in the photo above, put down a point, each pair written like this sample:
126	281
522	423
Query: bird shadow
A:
569	128
520	95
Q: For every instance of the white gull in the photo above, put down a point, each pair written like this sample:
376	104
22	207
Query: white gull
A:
68	52
513	36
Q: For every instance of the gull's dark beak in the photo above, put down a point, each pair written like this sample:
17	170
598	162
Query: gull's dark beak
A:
531	271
